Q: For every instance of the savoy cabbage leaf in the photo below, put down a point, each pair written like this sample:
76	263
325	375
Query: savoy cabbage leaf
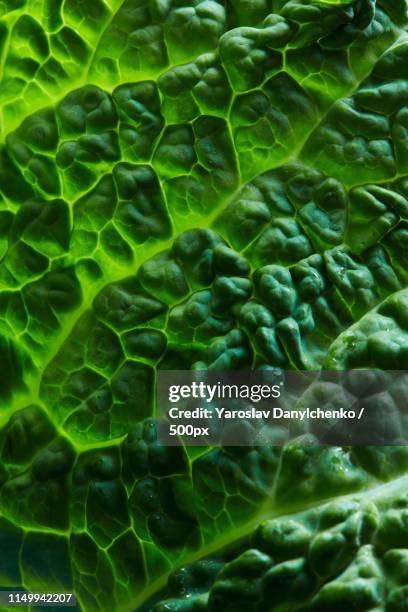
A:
211	185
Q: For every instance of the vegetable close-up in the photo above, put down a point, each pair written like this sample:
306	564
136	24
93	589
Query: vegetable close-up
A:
206	185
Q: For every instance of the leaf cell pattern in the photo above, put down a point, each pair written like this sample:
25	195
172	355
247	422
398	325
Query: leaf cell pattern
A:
212	184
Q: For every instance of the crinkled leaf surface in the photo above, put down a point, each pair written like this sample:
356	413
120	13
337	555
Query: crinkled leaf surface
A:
205	184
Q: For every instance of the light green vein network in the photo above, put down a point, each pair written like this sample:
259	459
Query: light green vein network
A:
200	184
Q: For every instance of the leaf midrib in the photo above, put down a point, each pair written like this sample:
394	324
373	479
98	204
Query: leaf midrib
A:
378	493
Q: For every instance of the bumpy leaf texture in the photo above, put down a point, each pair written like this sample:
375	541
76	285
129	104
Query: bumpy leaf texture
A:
206	184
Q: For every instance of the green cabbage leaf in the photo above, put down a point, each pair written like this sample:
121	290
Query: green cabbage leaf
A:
198	185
